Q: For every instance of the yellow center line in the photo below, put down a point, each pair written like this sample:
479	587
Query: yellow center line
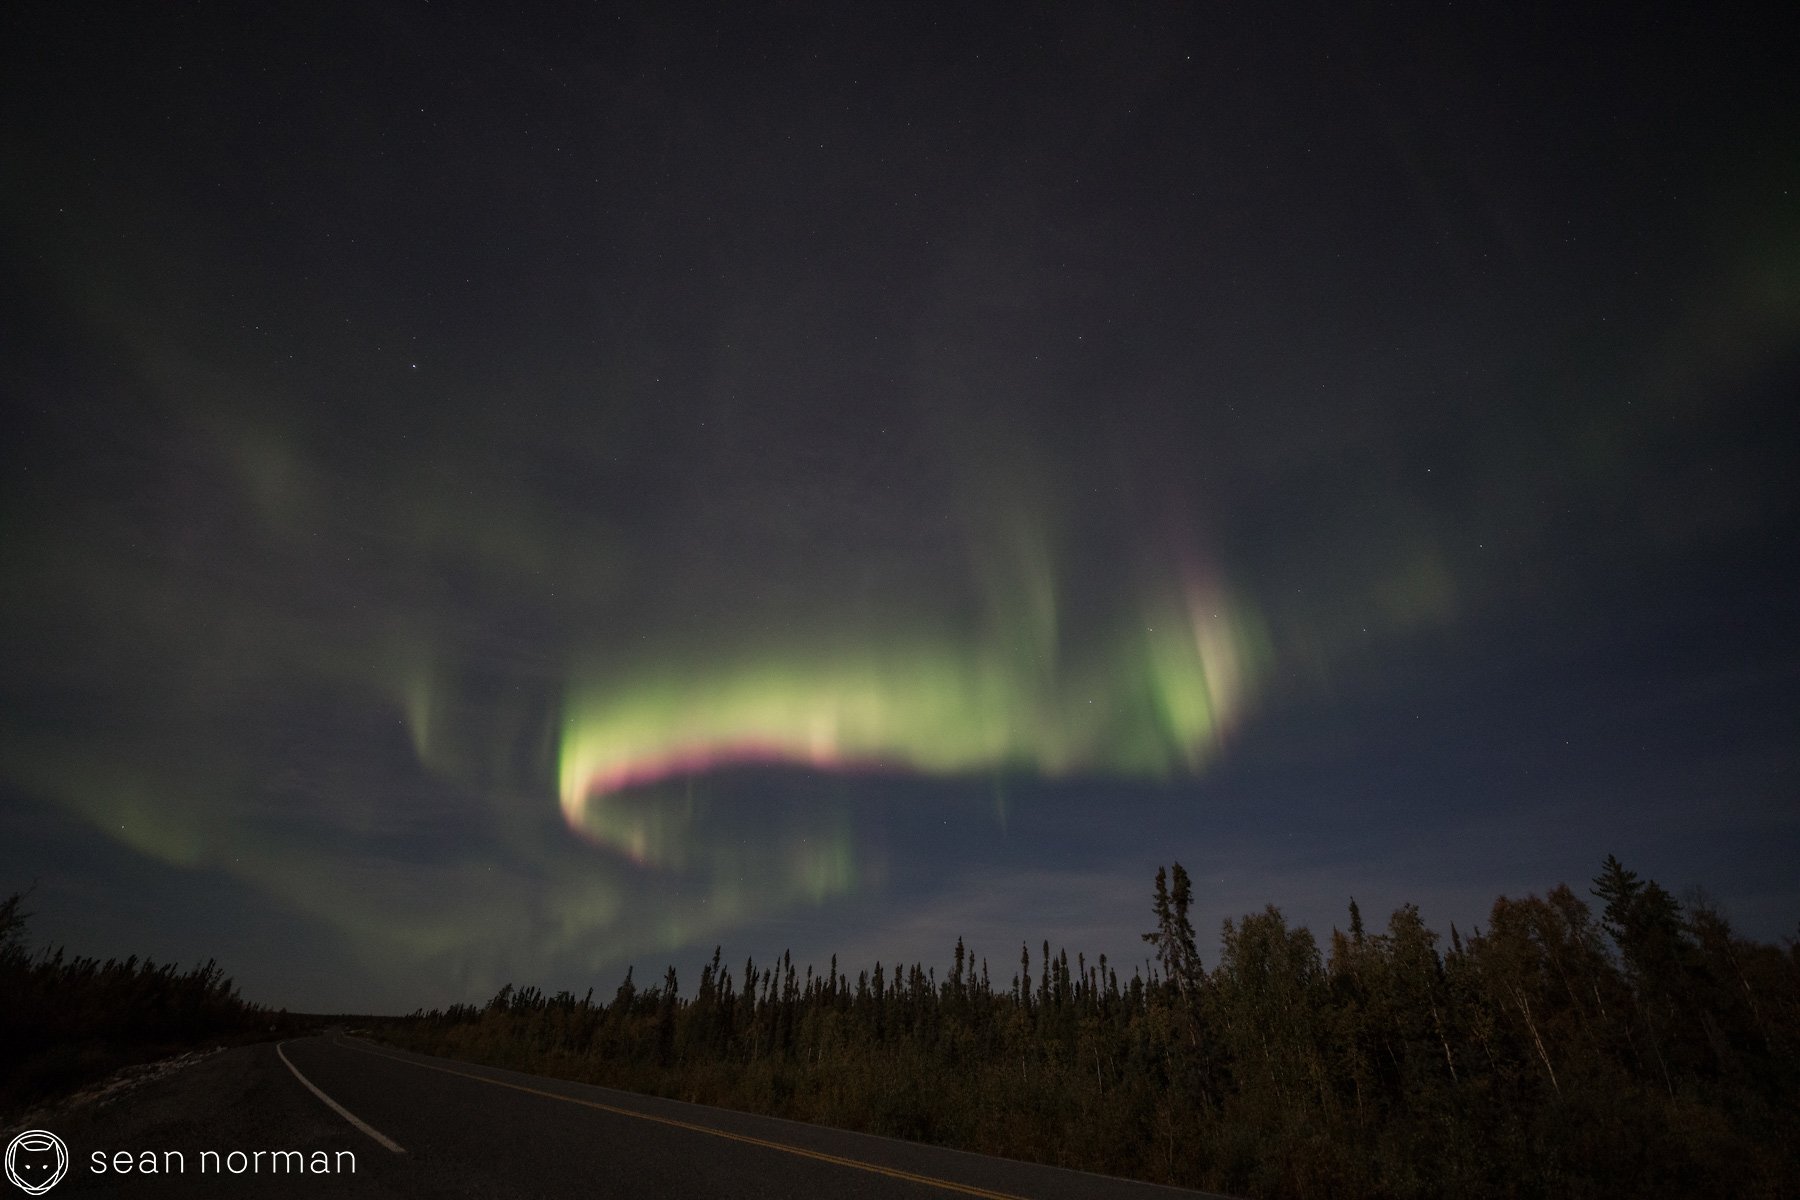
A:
947	1185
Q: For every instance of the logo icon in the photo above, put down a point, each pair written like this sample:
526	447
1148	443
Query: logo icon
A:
36	1160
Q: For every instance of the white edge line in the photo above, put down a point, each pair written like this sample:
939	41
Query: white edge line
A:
337	1108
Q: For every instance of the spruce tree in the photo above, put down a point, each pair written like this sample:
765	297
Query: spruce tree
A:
1187	953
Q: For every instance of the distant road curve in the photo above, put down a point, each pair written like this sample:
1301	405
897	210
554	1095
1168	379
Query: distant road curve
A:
393	1124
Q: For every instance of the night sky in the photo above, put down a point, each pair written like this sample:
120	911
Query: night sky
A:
497	497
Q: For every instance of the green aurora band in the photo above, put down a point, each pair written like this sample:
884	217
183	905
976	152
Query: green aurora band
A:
1152	700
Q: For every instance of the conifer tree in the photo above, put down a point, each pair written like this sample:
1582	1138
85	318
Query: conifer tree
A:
1159	907
1173	937
1187	953
1645	922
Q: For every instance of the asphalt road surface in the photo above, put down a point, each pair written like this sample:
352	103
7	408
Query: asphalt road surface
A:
415	1125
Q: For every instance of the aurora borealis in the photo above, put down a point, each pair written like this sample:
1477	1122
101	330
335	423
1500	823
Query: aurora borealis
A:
1155	705
501	498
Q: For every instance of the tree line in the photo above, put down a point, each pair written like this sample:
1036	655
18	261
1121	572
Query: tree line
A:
1645	1050
66	1020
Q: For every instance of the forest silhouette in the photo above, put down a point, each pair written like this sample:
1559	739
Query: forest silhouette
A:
1646	1050
66	1021
1634	1047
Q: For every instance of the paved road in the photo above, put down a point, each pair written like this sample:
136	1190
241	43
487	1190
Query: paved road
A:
422	1126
